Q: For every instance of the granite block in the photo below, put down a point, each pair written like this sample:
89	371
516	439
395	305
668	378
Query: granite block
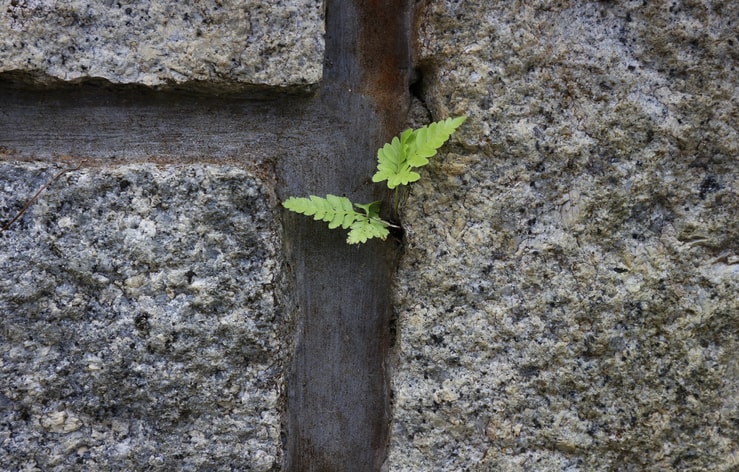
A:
155	42
140	329
567	298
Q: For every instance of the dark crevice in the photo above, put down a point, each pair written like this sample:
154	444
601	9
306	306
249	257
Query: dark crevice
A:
416	84
419	114
339	399
417	90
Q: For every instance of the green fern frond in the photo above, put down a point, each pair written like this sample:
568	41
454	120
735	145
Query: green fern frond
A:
339	211
370	226
367	229
396	160
427	140
392	162
336	211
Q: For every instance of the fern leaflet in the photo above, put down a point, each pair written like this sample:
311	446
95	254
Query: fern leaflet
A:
367	229
336	211
396	160
392	162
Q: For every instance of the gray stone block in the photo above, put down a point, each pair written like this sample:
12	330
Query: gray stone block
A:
227	43
139	324
567	298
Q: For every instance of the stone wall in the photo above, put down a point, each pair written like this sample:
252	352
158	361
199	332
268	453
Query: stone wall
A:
567	298
566	294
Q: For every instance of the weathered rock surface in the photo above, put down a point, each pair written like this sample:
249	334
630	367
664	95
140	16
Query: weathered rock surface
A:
157	42
567	299
139	324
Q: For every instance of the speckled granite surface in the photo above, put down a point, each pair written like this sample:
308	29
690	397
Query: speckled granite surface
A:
156	42
567	299
139	325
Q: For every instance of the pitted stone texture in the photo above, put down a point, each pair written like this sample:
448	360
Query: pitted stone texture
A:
158	42
567	298
139	327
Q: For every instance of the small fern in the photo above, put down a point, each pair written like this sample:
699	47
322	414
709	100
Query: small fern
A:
396	162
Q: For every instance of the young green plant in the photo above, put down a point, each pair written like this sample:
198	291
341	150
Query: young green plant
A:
397	162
